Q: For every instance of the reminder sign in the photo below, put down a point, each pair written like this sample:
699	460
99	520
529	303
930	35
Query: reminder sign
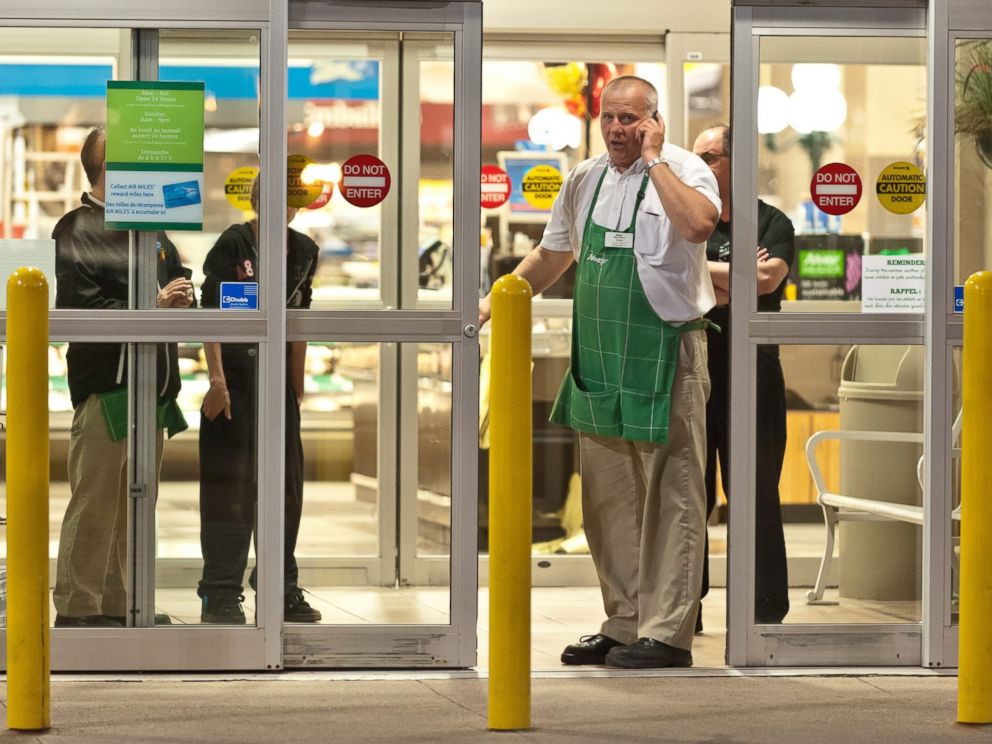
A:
836	188
154	155
893	284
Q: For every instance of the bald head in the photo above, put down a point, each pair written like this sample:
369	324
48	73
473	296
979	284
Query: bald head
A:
626	84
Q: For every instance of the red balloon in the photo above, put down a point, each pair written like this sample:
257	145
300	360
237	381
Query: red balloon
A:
599	76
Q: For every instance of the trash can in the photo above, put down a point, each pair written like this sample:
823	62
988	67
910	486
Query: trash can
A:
881	389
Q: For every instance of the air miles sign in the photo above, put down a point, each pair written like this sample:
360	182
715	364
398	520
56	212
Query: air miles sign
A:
821	264
901	188
154	155
239	295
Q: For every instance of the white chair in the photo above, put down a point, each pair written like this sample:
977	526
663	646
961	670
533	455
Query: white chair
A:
838	507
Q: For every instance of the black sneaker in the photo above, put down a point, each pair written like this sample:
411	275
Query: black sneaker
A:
296	609
86	621
223	608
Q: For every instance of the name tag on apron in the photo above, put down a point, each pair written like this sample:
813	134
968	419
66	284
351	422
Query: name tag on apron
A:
619	240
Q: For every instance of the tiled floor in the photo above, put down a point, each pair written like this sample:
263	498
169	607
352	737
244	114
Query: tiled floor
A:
334	521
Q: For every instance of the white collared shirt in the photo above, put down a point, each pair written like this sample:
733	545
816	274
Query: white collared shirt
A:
672	269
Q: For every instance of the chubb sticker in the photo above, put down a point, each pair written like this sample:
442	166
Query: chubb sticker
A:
239	295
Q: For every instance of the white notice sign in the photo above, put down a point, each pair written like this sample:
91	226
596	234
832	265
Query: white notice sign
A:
893	284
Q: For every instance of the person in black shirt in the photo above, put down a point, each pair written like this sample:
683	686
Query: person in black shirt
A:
775	253
91	267
228	447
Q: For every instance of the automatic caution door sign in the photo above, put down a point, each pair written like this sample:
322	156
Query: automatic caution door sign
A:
541	185
836	188
237	187
364	180
901	187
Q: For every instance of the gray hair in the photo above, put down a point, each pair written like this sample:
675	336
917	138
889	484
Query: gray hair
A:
650	92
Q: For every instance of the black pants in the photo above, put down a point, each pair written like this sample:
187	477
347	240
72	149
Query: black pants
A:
229	490
771	569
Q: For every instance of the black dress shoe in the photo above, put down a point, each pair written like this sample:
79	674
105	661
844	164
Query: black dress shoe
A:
590	649
86	621
647	653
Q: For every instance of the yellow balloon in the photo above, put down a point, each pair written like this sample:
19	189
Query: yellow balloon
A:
567	80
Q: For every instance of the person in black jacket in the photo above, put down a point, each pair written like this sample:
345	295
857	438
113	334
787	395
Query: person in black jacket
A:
774	255
228	446
91	266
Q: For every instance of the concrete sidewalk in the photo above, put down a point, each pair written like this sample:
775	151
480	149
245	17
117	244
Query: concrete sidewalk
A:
299	708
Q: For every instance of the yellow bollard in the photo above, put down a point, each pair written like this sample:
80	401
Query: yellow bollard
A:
28	698
510	506
975	631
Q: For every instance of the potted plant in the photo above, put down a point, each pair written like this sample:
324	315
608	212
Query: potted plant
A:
973	105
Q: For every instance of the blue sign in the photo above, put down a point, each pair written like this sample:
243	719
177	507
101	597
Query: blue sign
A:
959	298
353	80
239	295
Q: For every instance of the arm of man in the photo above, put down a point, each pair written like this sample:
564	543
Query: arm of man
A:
777	240
217	399
541	268
719	275
297	367
692	214
770	273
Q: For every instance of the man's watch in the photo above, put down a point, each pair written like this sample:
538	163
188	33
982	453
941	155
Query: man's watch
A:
660	160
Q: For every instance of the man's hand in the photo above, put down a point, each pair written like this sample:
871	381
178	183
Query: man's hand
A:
217	400
177	293
762	254
485	310
651	133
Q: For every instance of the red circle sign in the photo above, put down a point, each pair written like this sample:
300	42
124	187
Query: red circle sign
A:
836	188
364	180
326	192
495	186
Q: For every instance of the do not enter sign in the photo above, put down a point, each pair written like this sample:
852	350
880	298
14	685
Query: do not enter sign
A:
836	188
364	180
495	186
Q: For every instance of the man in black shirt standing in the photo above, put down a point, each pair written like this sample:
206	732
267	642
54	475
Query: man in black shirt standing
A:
776	250
228	441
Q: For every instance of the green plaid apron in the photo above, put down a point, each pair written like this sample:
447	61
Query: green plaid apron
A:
619	382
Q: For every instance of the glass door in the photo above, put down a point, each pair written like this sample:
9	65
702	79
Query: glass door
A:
116	150
961	42
387	118
831	409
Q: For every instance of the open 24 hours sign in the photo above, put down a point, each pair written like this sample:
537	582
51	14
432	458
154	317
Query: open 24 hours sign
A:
154	155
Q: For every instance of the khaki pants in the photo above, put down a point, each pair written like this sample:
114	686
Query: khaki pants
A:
92	562
644	507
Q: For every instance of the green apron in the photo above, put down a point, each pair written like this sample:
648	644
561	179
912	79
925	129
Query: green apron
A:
619	382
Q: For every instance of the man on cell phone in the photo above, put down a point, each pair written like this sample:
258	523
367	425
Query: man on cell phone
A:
636	220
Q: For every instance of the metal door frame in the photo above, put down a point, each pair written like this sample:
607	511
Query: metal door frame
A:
949	21
824	644
452	644
262	646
